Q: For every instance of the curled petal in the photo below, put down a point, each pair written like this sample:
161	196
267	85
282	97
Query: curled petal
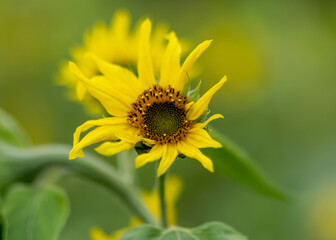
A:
100	122
99	134
199	138
188	63
169	156
121	78
115	103
154	154
106	130
128	134
203	125
112	148
193	152
199	107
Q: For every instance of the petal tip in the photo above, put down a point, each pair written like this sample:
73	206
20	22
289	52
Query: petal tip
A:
72	155
138	164
146	24
72	66
171	35
207	43
159	173
99	149
224	79
210	168
122	13
75	70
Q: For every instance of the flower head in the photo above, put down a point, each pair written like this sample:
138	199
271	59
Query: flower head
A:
156	114
115	44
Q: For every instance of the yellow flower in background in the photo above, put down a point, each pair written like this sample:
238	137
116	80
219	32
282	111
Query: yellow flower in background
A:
322	212
242	50
155	114
115	44
173	187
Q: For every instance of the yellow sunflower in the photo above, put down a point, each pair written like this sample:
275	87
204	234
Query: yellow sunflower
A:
174	187
145	111
115	44
322	212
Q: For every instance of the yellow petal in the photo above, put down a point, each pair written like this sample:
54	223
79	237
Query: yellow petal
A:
168	157
188	63
148	141
98	234
193	152
213	117
112	148
120	24
100	122
199	138
170	65
128	134
199	107
99	134
115	103
154	154
159	33
80	91
145	65
120	76
101	87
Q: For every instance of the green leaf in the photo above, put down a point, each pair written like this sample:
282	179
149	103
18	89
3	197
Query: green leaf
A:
194	94
234	163
24	164
11	132
35	212
207	231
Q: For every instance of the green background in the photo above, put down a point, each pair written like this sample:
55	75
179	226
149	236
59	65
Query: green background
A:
279	102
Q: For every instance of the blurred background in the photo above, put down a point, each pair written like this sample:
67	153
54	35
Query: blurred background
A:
279	104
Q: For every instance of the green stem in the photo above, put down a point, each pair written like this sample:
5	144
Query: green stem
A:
162	195
25	163
51	175
125	164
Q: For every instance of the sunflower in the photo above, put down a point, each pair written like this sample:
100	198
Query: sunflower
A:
155	114
116	44
174	186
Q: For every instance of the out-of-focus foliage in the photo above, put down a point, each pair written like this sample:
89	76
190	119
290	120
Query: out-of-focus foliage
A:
234	163
37	213
11	132
213	231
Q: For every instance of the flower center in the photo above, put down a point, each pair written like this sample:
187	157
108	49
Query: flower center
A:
160	114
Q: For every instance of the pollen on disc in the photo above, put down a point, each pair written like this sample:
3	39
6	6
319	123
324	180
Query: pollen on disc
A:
160	114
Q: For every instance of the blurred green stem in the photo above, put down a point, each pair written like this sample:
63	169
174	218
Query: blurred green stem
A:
161	185
51	176
31	161
125	165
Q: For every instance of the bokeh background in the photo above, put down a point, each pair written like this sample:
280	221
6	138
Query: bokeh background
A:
279	104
